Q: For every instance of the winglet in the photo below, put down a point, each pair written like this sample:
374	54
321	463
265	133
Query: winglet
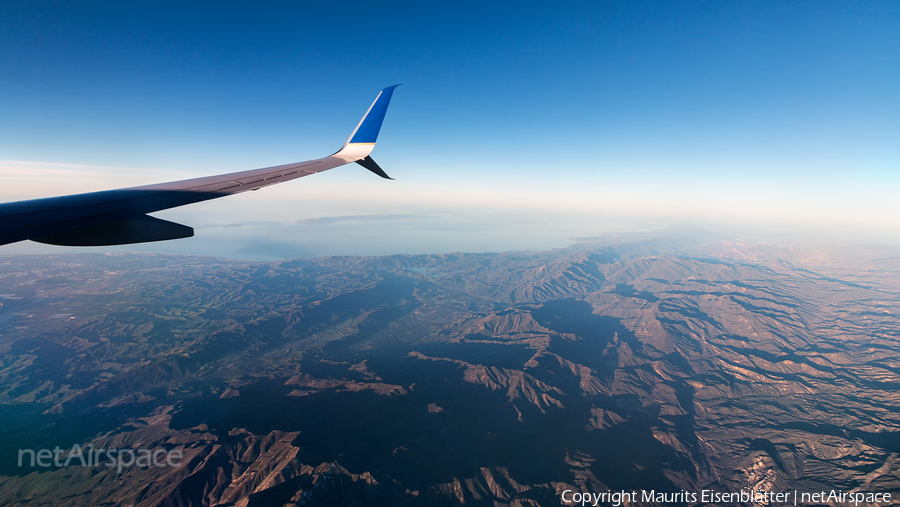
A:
367	130
370	164
362	140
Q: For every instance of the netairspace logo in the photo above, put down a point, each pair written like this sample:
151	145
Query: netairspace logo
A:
89	457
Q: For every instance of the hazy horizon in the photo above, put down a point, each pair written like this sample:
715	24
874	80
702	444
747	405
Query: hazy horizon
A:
348	211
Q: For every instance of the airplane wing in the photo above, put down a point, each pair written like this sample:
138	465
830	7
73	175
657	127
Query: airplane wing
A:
119	217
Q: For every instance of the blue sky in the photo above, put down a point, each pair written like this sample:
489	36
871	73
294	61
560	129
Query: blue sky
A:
586	117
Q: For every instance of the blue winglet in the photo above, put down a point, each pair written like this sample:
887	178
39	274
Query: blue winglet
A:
367	130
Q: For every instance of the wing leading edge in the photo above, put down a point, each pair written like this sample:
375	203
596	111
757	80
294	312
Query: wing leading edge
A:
118	217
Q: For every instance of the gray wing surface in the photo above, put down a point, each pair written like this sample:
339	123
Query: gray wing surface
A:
117	217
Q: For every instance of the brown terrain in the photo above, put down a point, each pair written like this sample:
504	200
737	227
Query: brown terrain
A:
476	379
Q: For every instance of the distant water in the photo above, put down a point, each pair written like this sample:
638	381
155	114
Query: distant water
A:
370	235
